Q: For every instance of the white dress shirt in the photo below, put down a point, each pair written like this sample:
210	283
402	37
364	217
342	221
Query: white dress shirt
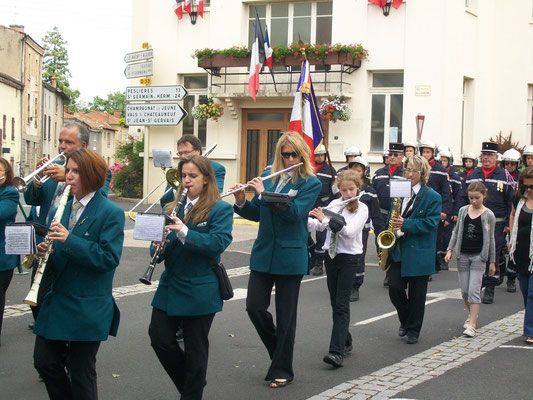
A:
350	237
415	189
182	234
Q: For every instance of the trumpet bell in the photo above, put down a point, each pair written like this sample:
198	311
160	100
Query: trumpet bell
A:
173	178
19	184
386	239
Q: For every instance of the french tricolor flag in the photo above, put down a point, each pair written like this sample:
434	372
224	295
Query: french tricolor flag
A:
187	6
178	10
268	50
256	59
305	116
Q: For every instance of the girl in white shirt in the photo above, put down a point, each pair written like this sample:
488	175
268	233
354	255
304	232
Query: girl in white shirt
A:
344	250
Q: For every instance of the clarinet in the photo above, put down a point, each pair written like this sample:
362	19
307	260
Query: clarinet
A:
31	298
147	277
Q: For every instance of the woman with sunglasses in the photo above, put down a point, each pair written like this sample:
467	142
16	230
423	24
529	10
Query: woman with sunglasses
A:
9	198
279	255
521	246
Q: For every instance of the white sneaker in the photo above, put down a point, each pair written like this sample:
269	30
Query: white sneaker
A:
470	331
467	323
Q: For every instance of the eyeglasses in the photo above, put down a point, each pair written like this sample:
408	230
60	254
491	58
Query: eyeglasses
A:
184	153
527	187
395	154
411	171
289	155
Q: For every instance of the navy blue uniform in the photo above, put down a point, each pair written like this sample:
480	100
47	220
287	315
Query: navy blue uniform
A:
455	185
370	199
380	183
324	198
499	201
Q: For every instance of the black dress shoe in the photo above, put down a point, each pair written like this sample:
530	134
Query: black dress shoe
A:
411	339
348	349
333	359
386	281
31	326
402	331
511	285
354	295
488	295
179	335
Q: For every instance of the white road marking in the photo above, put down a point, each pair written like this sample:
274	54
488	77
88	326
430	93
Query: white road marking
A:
516	347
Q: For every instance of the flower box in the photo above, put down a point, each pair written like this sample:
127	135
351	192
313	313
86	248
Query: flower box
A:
219	60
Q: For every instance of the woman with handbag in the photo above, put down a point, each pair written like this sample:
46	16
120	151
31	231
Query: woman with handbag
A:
279	255
188	294
79	311
9	198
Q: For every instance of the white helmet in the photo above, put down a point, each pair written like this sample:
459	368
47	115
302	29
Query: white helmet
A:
409	143
443	147
352	151
446	153
320	149
512	155
427	144
469	156
385	154
527	152
360	160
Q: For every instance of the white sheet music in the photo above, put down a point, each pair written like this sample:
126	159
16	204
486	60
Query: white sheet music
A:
20	239
149	227
400	188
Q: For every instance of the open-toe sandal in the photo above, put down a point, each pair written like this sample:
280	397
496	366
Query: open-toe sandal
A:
278	383
529	340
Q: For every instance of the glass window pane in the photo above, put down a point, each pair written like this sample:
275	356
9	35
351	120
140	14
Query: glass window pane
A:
323	30
188	121
202	132
378	122
280	10
324	8
396	111
252	153
302	9
279	31
393	79
261	11
195	82
251	30
266	116
302	26
273	137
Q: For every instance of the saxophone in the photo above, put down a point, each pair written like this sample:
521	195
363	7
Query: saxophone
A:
387	239
31	298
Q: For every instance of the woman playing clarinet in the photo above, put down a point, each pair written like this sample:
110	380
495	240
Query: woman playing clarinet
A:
188	294
79	311
279	255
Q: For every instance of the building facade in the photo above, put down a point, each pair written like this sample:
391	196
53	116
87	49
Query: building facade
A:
442	59
54	100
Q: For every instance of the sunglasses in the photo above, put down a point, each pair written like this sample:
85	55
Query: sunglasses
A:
395	154
527	187
289	155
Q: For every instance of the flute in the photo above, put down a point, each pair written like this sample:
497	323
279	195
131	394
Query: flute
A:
264	178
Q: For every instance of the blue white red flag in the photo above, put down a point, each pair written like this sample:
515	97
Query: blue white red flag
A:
187	6
268	50
305	116
178	10
201	8
256	59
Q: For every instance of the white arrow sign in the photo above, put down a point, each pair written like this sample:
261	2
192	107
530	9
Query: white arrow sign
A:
139	69
139	55
154	93
154	114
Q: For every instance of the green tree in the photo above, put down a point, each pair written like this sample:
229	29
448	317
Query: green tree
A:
114	101
55	64
129	180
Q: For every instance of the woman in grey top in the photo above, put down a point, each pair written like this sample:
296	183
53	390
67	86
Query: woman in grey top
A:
473	243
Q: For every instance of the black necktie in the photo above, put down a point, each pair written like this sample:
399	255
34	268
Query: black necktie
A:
409	203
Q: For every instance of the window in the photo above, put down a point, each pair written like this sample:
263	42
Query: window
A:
108	139
49	124
196	86
387	109
35	112
4	124
44	127
12	128
312	20
29	109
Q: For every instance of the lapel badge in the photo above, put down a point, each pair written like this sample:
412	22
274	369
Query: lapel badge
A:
82	221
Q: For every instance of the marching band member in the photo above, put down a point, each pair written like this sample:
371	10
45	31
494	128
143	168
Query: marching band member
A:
188	294
344	248
375	219
279	255
381	182
413	256
9	198
79	310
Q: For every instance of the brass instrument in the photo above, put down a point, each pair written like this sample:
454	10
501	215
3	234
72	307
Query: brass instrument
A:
387	239
31	298
147	277
21	183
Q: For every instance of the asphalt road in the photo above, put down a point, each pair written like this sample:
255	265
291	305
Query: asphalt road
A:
128	368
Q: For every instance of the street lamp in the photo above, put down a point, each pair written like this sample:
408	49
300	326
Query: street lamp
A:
419	125
194	11
386	8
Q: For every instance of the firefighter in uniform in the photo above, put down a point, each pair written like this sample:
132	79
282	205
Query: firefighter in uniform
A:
409	148
527	156
350	153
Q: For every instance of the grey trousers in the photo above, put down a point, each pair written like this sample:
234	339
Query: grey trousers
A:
470	269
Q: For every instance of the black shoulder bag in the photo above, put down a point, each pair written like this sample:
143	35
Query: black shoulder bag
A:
224	284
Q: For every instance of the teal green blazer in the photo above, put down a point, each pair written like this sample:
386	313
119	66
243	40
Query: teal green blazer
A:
281	244
80	305
9	198
188	286
416	249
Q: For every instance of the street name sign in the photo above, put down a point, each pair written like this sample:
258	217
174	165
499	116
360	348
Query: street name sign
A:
139	69
155	93
154	114
139	55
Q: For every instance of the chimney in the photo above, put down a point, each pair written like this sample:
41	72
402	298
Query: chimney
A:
19	28
117	114
53	80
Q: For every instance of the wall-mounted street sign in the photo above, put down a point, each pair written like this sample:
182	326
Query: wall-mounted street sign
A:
154	114
139	55
155	93
139	69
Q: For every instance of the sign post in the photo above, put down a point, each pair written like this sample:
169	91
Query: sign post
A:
155	93
139	69
153	114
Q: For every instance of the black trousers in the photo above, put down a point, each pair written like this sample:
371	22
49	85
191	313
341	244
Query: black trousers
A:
278	340
44	287
499	238
410	305
5	280
341	273
360	268
187	368
49	361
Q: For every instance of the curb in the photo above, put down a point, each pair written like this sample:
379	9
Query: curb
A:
236	221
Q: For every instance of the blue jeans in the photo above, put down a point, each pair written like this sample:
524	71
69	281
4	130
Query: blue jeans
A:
526	287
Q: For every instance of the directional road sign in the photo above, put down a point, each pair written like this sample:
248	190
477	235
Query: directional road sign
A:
139	55
139	69
154	114
155	93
